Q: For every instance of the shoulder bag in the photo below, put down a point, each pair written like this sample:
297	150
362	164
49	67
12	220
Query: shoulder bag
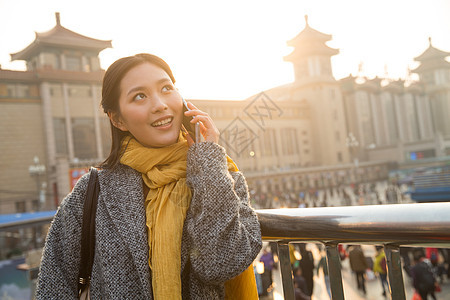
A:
88	235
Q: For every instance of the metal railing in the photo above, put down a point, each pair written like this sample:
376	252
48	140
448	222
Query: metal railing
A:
420	225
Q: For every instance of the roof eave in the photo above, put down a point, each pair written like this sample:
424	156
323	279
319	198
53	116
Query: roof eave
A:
294	55
309	34
25	53
431	53
426	67
28	51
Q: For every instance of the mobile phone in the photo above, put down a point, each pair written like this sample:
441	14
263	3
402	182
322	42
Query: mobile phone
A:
192	129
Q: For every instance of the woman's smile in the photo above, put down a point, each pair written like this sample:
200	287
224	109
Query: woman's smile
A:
162	123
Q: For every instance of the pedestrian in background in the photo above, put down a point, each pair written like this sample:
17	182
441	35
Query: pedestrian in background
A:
423	278
307	265
358	264
324	266
379	267
301	291
266	277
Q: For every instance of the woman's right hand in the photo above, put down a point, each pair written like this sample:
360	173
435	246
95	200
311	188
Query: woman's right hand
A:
208	129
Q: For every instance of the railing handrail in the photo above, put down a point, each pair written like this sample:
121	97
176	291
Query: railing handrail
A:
421	224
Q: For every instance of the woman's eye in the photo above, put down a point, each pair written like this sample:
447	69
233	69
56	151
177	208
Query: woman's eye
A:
167	88
139	96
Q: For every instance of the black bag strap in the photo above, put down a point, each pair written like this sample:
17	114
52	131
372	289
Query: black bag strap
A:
88	230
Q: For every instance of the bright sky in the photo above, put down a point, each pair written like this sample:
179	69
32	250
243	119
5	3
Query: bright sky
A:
234	49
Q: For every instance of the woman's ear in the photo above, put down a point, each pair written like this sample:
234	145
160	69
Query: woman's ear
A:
116	121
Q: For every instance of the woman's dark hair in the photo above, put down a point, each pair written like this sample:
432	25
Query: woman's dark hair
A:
111	93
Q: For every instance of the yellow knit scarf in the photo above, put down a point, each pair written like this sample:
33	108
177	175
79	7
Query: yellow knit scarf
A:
164	173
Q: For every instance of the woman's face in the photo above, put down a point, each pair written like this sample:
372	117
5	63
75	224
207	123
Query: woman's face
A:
150	106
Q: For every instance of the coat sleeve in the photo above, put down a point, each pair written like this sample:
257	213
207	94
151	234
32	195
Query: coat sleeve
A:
223	230
58	272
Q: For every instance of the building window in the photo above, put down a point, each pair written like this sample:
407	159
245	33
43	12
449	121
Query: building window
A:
23	91
81	91
339	157
59	127
20	207
56	90
51	61
288	135
15	90
269	146
73	63
87	65
35	205
84	141
11	90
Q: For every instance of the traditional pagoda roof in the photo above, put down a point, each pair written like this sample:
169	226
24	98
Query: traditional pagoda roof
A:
373	84
349	78
431	53
415	87
60	36
432	59
309	33
375	81
397	85
432	65
310	42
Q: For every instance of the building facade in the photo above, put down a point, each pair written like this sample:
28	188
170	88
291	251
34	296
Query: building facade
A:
405	122
51	118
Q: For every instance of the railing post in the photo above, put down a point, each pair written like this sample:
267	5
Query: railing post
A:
394	270
334	270
286	271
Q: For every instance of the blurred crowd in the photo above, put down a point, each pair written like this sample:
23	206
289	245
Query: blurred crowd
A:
426	268
380	192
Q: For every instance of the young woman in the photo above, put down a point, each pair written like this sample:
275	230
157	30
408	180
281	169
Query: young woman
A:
173	217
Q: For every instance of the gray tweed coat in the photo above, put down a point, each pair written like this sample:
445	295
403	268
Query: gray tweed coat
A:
221	235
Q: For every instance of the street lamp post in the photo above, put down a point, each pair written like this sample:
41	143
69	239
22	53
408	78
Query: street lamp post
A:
353	144
37	170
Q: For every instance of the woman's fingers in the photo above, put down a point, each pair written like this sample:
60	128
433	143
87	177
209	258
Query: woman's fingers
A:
189	140
207	127
191	106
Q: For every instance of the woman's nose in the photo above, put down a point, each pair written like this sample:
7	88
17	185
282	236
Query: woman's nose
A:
158	105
